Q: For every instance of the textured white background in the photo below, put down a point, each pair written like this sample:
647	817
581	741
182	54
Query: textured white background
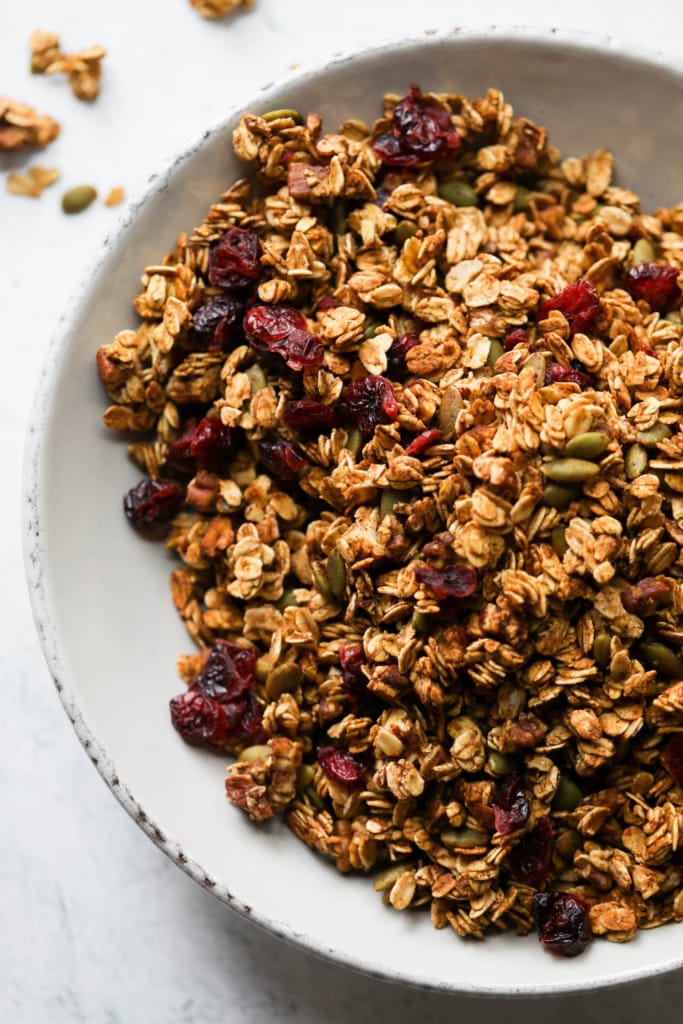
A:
96	925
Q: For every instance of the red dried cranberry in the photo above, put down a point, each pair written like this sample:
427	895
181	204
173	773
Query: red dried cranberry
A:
396	356
152	502
370	401
562	922
423	441
511	809
517	337
209	441
340	765
421	131
557	374
382	197
579	302
216	323
672	756
457	581
311	417
246	721
329	302
531	858
235	259
228	672
354	680
654	283
281	330
199	719
179	451
281	458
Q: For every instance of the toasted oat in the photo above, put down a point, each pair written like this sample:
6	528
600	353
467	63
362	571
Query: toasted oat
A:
33	182
478	588
20	126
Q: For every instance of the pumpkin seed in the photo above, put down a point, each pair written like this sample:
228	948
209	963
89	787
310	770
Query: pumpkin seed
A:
405	229
522	199
370	329
305	774
663	659
466	838
558	496
643	252
420	622
278	115
320	579
635	461
257	378
495	352
545	448
602	650
283	679
587	446
567	795
78	199
451	405
457	192
336	574
558	540
255	753
262	668
653	435
501	764
288	600
315	798
389	500
570	471
354	441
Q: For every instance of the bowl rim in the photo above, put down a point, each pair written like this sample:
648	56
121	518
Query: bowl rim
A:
32	509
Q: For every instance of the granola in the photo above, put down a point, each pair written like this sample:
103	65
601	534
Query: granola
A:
33	182
21	126
217	8
410	402
84	69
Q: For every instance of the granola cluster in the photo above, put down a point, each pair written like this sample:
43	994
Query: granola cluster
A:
446	519
21	126
83	69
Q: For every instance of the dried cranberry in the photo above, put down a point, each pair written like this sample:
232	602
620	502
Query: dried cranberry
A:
198	718
370	401
228	672
281	458
354	680
557	374
329	302
311	417
421	131
340	765
281	330
672	756
152	502
179	451
423	441
235	259
209	441
457	581
531	858
655	283
517	337
382	197
562	922
579	302
246	721
396	356
512	807
216	323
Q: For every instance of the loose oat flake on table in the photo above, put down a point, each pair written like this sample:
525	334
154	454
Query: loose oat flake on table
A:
410	412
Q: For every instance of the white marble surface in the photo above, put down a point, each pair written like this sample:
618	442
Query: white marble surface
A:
97	926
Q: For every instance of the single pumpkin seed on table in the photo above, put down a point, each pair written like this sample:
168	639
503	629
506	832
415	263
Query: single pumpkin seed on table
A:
78	198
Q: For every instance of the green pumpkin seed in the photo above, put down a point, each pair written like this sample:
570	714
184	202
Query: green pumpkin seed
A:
558	540
279	115
288	600
653	435
420	622
389	500
495	352
457	192
257	378
501	764
78	199
570	471
567	795
283	679
466	838
602	650
643	252
635	461
405	229
559	497
451	405
320	579
523	198
590	445
545	448
262	668
256	753
336	574
354	441
315	798
663	659
370	329
305	774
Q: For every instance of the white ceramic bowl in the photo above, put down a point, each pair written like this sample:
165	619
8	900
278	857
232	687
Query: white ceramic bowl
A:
100	594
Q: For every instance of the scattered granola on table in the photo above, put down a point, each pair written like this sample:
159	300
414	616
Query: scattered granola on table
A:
21	126
410	409
217	8
84	69
33	182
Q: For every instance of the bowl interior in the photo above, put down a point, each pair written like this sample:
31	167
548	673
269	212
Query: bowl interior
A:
101	594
